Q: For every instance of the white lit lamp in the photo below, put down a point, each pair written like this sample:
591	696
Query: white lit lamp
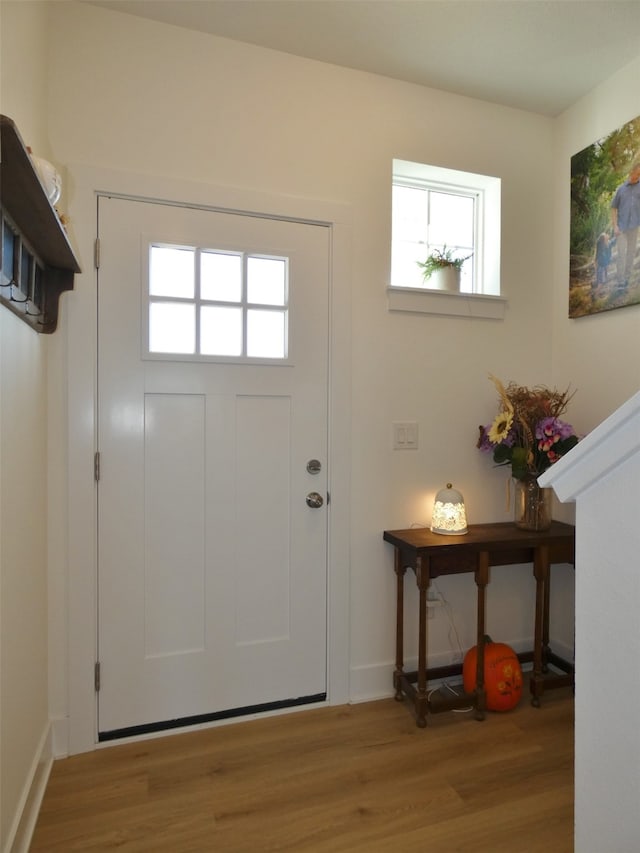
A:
449	514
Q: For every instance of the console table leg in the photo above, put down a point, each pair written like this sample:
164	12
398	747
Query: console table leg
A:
400	571
545	621
482	579
422	697
541	574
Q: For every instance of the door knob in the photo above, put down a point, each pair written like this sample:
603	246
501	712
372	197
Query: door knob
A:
314	500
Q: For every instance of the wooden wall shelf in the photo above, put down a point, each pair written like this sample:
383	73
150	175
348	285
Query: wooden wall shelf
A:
37	262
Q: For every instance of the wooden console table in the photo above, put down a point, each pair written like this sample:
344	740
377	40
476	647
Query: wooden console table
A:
430	555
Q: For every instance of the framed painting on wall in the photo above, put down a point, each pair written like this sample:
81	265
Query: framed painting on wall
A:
604	265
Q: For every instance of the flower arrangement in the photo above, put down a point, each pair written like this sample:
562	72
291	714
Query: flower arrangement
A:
527	433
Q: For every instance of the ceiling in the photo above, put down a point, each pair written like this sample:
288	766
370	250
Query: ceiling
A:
536	55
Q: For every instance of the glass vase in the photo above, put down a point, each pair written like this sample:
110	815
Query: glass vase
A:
532	505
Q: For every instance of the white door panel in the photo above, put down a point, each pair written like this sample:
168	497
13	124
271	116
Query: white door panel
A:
212	568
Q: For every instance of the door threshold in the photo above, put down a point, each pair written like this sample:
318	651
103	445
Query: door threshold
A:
199	719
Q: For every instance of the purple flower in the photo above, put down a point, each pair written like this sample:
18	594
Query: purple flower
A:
551	430
483	439
510	439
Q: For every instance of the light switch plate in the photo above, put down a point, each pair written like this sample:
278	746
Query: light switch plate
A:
405	435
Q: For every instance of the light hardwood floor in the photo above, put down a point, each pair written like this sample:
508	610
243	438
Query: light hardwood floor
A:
350	778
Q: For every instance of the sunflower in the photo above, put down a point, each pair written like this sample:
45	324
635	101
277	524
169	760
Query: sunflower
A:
499	429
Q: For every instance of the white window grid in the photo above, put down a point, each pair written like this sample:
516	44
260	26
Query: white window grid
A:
198	301
474	249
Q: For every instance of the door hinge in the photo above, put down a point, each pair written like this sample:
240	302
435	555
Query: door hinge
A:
96	676
96	253
96	466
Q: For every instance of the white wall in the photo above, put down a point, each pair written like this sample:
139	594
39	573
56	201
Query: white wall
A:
600	355
23	460
607	768
145	97
602	476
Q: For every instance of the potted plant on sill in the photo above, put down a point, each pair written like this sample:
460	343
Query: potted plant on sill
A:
441	270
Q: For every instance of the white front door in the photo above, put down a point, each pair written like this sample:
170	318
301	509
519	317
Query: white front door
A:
212	565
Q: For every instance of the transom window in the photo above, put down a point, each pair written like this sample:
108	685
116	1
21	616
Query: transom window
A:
434	208
212	303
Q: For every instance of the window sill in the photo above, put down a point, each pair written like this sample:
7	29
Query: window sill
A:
474	305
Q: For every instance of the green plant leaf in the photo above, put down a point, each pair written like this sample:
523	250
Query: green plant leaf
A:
439	259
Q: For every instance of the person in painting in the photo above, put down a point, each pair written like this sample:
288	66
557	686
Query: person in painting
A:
625	218
604	247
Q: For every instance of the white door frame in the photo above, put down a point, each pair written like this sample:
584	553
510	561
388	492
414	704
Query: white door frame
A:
78	732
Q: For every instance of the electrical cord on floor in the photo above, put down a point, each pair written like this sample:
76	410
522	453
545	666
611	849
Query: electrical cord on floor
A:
445	685
455	693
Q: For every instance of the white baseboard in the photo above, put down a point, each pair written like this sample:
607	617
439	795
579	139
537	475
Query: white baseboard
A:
24	821
368	683
60	737
375	681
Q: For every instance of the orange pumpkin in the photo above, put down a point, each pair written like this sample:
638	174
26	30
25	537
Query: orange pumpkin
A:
502	675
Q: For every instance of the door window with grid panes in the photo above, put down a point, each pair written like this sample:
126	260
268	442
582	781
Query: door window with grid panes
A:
213	304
